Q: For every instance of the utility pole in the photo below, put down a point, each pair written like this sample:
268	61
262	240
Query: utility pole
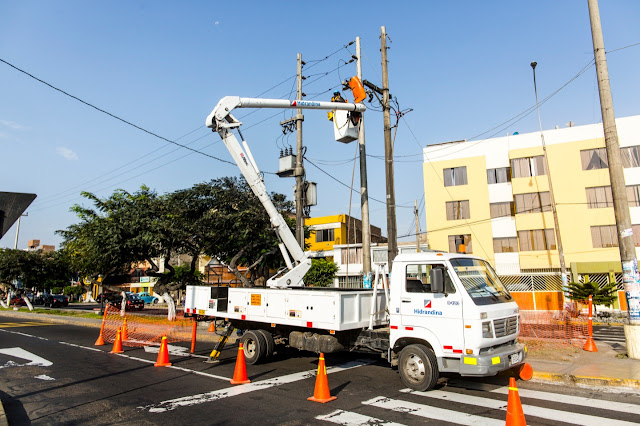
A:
556	224
388	155
620	203
364	194
299	170
15	244
417	227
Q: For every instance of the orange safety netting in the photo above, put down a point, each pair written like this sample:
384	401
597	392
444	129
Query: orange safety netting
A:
564	327
145	329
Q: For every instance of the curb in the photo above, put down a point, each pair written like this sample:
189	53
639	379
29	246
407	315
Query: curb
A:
571	379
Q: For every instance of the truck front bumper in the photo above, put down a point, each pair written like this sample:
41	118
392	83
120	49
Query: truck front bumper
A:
494	361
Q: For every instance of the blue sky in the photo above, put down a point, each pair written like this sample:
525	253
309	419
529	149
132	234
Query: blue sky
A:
463	67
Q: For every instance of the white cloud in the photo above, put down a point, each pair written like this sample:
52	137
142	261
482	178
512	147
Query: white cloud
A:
216	23
12	125
67	153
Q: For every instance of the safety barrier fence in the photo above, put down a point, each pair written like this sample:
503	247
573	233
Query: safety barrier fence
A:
144	329
568	326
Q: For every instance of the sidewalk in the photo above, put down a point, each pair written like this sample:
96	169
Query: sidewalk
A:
551	363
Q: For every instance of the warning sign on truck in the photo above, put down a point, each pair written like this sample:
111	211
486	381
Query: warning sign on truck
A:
256	299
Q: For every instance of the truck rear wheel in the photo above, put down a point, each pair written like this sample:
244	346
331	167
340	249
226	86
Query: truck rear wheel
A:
254	345
271	345
418	367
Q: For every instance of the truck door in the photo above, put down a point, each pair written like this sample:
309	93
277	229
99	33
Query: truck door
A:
441	314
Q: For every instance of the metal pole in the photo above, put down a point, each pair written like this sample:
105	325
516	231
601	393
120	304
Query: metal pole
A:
417	227
299	170
616	175
15	244
388	155
364	193
556	224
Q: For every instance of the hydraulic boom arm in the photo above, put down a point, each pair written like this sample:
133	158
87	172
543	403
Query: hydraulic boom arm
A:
221	121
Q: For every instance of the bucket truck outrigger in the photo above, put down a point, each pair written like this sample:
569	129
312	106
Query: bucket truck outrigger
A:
440	312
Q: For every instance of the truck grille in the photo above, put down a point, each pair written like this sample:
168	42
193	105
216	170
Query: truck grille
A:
505	326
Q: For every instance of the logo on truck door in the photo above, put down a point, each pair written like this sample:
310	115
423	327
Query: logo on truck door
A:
427	303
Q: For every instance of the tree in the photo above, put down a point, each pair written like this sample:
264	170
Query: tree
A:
604	295
321	273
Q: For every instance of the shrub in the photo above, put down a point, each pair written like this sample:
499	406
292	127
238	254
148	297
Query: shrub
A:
321	273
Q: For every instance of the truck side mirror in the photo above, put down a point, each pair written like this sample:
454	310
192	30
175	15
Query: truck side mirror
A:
436	276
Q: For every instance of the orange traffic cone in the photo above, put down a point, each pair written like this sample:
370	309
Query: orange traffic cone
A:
117	344
526	371
321	392
515	415
212	327
125	331
100	341
590	345
163	354
240	373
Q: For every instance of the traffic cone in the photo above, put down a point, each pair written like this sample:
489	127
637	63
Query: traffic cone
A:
240	373
125	331
515	415
590	345
321	392
100	341
526	371
163	354
212	327
117	344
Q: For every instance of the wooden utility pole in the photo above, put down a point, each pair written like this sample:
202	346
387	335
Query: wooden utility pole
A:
299	170
616	175
364	193
388	155
417	227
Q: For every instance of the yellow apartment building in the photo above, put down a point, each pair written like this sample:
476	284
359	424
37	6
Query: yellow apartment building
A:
327	231
492	196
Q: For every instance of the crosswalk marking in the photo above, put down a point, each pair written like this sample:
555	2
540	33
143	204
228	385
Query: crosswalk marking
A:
354	419
529	410
23	324
432	413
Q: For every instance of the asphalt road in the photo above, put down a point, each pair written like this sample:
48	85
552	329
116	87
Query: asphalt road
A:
73	382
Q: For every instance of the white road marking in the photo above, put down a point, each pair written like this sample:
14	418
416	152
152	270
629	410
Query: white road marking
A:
432	413
34	360
574	400
175	367
81	347
529	410
173	350
354	419
23	334
43	377
202	398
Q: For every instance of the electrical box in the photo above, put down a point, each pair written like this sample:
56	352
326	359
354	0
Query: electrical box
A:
286	165
311	194
346	126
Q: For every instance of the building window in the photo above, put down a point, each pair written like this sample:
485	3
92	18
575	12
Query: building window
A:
537	239
534	202
630	156
604	236
599	197
457	241
455	176
504	209
593	159
528	166
351	256
499	175
457	210
505	245
633	195
323	235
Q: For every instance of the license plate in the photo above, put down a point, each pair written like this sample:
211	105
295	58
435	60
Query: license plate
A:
515	358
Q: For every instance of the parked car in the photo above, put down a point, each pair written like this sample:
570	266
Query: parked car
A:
18	301
133	302
107	296
38	300
55	300
148	297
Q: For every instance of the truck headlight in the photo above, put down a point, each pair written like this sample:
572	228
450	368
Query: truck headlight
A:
486	330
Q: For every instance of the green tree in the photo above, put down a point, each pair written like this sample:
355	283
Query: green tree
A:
321	273
604	295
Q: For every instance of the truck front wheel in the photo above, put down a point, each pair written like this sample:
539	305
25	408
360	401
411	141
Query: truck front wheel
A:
418	367
254	345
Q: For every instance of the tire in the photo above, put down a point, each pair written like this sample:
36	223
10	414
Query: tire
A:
255	346
271	345
418	367
155	301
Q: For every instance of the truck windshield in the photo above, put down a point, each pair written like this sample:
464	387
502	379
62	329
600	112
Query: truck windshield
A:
480	281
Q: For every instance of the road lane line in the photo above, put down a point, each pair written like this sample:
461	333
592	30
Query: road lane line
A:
23	334
349	418
529	410
187	401
432	413
81	347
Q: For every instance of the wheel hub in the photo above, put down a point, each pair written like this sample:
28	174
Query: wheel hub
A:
415	368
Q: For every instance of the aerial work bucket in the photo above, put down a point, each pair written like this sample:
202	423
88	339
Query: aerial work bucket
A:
346	125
